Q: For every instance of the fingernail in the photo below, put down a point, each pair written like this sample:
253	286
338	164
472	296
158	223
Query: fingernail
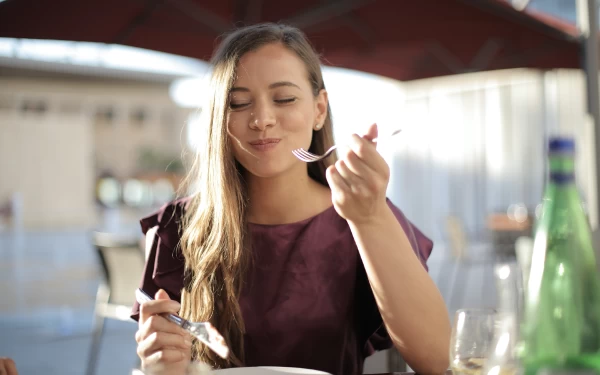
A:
175	306
188	341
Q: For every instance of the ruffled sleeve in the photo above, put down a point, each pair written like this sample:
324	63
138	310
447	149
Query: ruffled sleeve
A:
372	333
165	264
421	245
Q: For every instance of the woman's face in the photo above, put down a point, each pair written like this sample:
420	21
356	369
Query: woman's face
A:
272	111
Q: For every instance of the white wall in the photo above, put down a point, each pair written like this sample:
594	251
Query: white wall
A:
53	157
49	161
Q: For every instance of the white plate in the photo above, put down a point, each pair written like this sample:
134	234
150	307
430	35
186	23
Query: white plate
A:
266	370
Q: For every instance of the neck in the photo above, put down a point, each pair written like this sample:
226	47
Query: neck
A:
285	199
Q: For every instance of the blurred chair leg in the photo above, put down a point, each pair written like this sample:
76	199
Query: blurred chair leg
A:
467	268
395	361
488	279
452	284
443	274
98	328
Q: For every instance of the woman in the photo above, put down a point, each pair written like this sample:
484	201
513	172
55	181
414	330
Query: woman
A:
296	264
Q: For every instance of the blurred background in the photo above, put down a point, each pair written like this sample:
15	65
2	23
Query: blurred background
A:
100	101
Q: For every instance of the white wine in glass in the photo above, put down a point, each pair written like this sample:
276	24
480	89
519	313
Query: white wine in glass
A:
472	337
468	366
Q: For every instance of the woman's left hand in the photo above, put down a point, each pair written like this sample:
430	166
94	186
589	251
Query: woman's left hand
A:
359	179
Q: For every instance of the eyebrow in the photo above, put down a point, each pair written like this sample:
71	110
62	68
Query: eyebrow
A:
271	86
283	84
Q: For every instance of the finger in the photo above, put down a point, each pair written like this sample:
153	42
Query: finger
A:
352	180
367	153
10	367
165	356
161	294
161	306
356	165
336	181
160	341
371	133
157	323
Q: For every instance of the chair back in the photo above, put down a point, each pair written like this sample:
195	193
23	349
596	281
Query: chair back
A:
122	263
457	237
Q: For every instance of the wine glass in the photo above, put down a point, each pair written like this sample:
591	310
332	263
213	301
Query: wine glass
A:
472	337
503	359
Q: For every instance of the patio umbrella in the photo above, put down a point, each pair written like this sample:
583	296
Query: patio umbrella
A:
401	39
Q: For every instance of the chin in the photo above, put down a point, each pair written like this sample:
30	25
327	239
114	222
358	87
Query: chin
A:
271	165
265	172
265	169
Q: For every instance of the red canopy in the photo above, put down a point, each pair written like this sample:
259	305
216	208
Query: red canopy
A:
401	39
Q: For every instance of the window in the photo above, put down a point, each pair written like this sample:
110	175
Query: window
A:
138	117
105	115
34	106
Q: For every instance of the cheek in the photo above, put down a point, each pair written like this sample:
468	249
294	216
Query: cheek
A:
234	133
233	121
235	142
299	118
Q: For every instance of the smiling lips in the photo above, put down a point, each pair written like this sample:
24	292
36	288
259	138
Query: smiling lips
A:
264	144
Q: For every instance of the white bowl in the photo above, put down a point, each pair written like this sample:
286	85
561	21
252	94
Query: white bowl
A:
266	370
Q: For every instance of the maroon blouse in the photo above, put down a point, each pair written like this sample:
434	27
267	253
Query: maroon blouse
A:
307	301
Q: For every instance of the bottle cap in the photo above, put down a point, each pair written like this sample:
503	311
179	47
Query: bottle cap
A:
561	144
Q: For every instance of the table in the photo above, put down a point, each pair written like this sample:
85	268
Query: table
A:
448	372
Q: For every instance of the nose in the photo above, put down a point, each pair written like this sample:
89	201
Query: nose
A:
262	117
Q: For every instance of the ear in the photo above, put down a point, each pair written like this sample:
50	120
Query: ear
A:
321	102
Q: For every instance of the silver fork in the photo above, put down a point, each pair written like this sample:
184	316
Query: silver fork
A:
203	331
309	157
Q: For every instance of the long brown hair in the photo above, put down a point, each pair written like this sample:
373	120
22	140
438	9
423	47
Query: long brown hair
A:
214	240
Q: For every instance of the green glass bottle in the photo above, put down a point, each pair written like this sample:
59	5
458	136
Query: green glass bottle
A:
561	323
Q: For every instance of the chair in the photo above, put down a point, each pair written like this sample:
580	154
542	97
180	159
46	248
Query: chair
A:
11	213
122	264
505	229
457	237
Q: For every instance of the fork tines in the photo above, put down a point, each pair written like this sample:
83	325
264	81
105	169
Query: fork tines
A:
304	155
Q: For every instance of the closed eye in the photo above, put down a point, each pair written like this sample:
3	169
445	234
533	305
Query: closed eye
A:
285	101
238	105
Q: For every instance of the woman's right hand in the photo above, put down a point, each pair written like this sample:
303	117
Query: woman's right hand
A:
161	343
8	367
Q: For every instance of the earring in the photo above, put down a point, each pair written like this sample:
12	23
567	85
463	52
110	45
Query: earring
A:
318	126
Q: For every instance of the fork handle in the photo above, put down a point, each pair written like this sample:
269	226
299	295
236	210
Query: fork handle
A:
142	296
387	135
175	319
